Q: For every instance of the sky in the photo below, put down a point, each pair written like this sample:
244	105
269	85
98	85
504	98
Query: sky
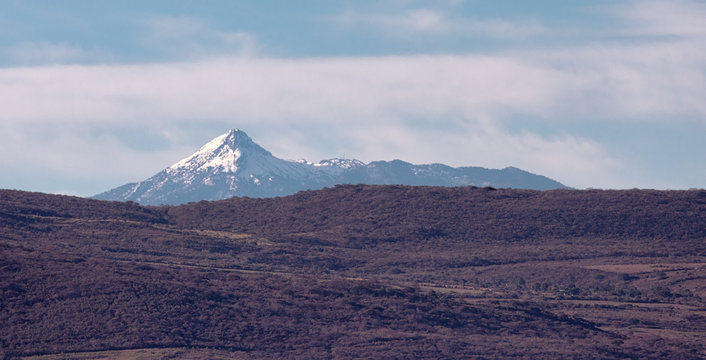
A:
594	94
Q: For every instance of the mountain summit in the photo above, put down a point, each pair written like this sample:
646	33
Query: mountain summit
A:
235	156
232	164
221	154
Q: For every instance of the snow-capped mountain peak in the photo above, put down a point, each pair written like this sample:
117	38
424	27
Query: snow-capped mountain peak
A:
232	164
222	154
341	163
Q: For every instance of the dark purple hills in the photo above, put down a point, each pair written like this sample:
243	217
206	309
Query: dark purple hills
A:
358	271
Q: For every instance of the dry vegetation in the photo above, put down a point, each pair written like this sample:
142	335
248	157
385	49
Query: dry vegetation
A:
357	271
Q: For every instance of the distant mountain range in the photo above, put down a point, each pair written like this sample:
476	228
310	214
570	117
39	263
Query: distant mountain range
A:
232	164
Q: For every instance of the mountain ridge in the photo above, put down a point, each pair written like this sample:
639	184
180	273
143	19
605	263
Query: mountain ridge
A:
232	164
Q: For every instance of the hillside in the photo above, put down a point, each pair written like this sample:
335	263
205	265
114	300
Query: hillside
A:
359	271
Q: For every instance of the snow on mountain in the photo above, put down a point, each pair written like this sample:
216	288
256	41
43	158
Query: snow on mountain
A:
234	151
221	152
232	164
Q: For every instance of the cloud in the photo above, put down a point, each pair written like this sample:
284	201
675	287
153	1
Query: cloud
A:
647	82
573	160
43	53
525	108
413	22
417	20
174	27
85	161
457	109
191	38
449	109
640	82
315	89
666	18
504	29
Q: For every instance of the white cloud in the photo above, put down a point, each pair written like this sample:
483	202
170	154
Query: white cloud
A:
315	89
412	22
424	108
646	82
425	20
573	160
659	17
94	161
419	108
174	27
503	28
642	81
192	38
455	109
42	53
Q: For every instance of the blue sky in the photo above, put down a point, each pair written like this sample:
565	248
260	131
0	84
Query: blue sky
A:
601	94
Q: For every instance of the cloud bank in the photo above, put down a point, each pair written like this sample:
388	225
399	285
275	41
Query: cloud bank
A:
493	109
385	107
